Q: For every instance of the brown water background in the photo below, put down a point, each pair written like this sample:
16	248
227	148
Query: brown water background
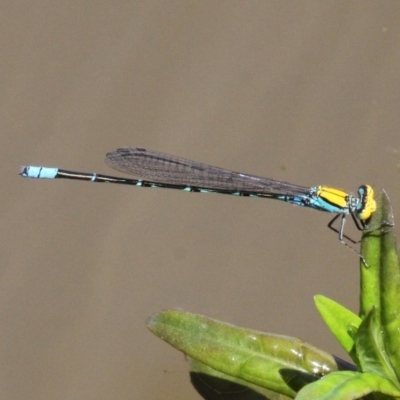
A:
307	92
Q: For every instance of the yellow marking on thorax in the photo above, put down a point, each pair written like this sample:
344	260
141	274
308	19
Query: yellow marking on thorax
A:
333	196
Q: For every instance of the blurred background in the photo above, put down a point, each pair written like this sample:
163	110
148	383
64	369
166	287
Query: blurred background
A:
307	92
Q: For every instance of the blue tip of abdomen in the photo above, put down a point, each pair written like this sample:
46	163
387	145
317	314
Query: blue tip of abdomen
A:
38	172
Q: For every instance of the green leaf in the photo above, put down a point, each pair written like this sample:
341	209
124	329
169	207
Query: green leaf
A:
390	288
370	349
380	280
377	243
278	363
347	385
342	322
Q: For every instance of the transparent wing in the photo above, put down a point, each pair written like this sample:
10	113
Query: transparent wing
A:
161	167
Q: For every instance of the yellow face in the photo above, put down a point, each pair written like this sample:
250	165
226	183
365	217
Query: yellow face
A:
369	203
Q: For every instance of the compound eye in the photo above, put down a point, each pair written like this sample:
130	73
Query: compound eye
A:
363	191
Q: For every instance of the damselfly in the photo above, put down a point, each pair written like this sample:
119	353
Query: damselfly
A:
171	172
